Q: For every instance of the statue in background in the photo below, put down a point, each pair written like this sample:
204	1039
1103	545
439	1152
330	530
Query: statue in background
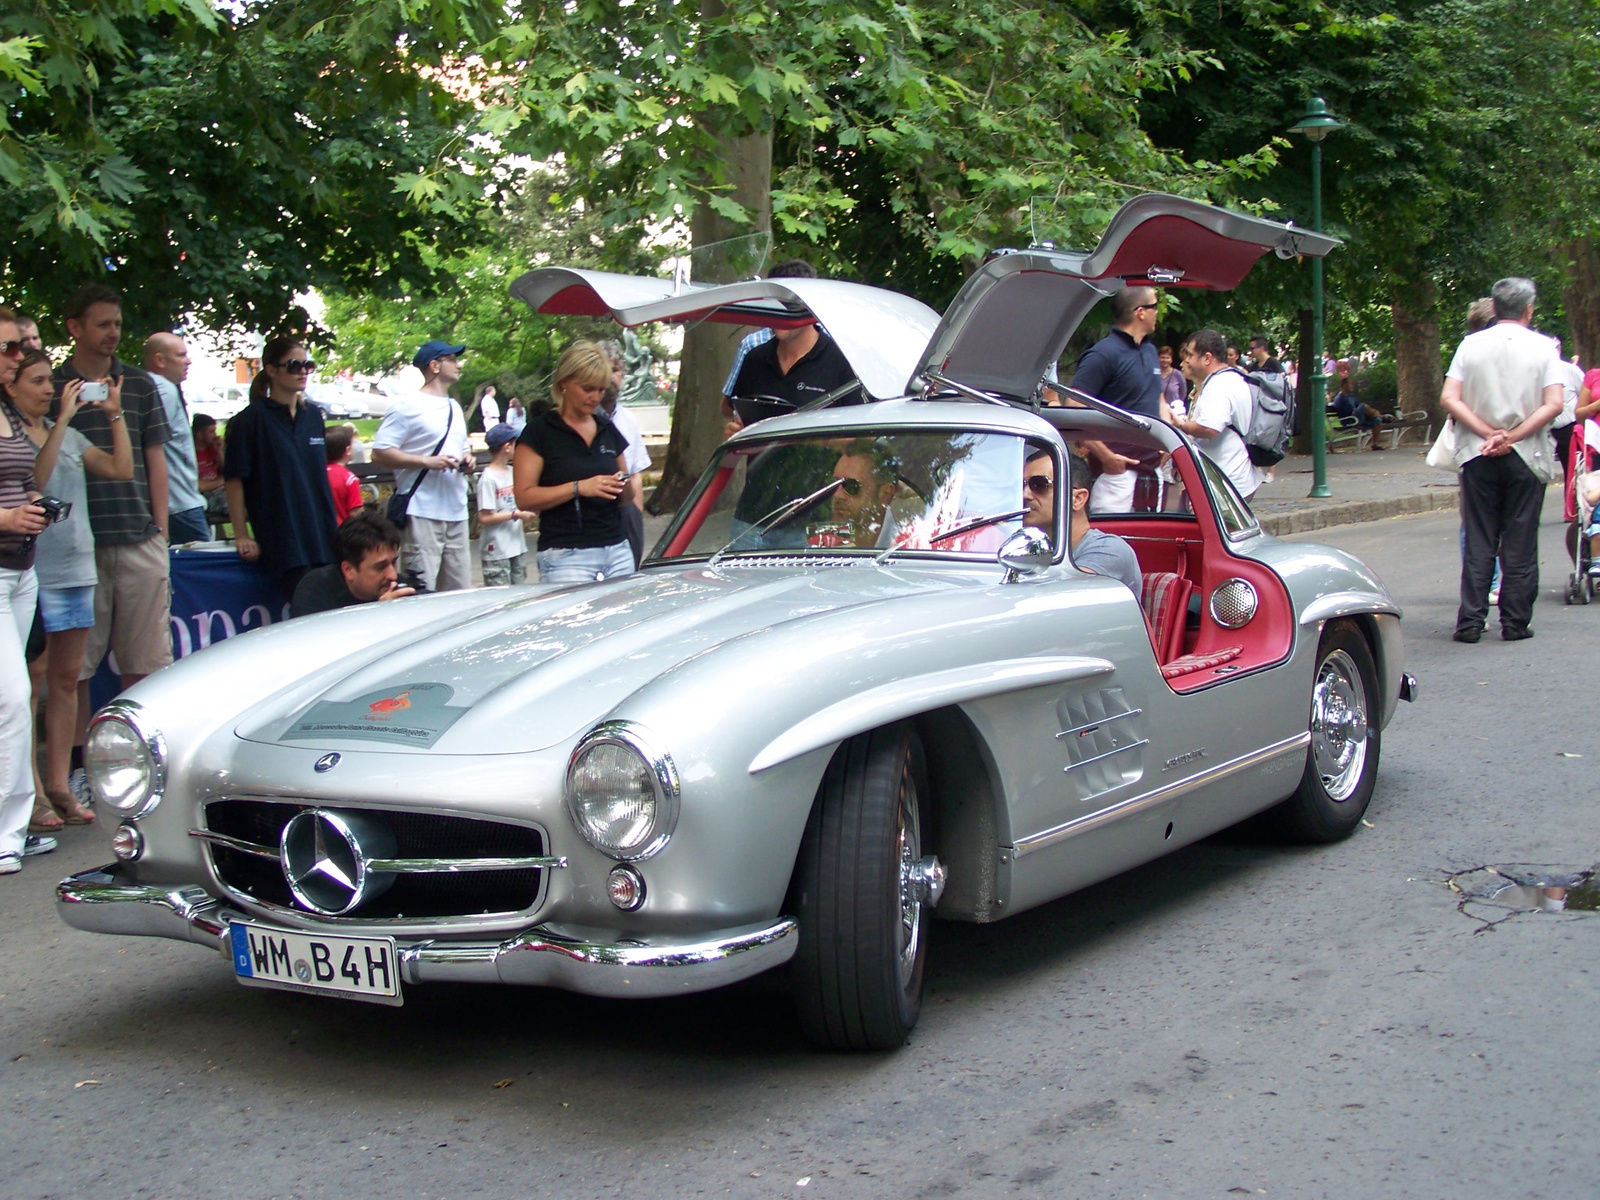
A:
638	384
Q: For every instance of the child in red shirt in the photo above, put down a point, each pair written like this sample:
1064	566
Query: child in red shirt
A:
346	487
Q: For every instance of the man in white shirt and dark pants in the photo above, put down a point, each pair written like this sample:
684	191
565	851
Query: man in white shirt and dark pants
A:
636	457
427	433
1502	391
1221	407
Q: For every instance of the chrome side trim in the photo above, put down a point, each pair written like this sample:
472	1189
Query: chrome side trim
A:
397	866
233	843
1102	757
1091	726
451	866
102	901
918	694
1067	829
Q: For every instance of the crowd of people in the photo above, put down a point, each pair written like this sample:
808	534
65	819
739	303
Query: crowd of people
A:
103	468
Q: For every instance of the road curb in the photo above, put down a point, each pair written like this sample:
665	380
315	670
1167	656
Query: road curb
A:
1354	512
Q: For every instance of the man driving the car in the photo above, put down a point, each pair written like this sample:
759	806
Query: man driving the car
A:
862	498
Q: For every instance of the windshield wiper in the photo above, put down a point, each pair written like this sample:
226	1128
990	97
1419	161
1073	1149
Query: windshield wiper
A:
778	516
964	527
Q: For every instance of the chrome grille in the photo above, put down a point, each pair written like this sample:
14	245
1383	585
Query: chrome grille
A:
417	836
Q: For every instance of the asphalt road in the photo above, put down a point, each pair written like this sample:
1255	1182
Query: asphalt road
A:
1236	1019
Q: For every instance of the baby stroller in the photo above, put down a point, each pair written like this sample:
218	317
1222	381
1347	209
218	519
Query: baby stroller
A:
1582	498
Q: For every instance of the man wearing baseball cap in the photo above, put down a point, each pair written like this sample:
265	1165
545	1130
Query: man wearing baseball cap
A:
423	440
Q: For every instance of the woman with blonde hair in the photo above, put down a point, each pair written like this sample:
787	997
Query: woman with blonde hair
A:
568	467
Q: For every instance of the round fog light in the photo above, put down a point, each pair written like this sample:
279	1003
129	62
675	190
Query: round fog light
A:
127	843
625	886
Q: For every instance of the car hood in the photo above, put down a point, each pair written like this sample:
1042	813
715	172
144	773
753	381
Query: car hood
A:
1013	317
881	333
535	667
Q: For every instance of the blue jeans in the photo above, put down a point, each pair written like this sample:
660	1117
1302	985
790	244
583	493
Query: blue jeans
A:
585	566
188	526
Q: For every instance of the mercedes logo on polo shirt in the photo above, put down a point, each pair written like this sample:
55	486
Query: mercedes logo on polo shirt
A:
326	857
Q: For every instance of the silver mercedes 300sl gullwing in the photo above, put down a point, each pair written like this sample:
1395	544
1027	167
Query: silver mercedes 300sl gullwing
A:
852	688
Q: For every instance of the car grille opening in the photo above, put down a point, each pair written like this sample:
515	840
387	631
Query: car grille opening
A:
417	835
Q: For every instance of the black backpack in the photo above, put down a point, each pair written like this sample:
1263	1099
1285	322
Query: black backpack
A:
1272	412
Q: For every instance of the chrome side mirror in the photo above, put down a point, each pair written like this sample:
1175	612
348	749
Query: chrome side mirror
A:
1026	552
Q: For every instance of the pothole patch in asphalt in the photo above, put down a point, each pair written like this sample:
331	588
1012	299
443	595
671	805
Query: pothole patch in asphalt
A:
1494	894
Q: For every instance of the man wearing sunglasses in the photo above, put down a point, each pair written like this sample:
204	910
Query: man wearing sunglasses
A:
1123	368
862	498
1093	550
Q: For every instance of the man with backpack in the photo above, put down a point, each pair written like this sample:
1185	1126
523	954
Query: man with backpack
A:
1222	406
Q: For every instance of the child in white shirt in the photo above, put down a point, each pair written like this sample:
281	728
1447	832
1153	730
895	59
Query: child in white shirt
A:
504	543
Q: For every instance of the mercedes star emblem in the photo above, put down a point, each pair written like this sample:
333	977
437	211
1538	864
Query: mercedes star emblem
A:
325	856
326	763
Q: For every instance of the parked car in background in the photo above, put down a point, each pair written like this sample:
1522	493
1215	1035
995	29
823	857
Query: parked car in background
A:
849	690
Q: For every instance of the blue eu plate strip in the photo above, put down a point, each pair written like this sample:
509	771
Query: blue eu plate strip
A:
241	950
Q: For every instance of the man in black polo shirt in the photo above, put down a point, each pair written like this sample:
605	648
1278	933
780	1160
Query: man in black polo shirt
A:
798	365
1123	368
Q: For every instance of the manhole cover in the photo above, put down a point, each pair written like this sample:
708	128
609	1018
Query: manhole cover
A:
1497	893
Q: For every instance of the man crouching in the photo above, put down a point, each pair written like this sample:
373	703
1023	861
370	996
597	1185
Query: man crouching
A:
368	546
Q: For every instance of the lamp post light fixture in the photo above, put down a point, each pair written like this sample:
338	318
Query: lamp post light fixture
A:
1317	123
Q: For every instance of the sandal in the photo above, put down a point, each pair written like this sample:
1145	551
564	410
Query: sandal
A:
44	819
72	811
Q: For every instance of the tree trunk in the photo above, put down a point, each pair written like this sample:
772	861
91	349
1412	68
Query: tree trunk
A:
1415	312
1582	297
709	347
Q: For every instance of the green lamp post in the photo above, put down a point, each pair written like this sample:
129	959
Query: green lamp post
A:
1317	123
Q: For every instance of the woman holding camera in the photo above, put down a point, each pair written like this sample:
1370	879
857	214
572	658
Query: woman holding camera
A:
568	467
64	557
21	521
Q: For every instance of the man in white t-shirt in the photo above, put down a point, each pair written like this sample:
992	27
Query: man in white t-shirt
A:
1220	408
1502	391
489	407
636	457
423	440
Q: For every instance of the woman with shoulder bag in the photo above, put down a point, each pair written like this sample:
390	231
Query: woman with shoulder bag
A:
64	560
568	468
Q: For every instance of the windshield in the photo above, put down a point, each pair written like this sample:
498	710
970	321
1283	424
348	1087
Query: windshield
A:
956	492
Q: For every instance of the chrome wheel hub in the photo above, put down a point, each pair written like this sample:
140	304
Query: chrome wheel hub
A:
1339	725
921	882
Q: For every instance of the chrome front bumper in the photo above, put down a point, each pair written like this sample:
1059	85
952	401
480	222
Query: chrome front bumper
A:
101	901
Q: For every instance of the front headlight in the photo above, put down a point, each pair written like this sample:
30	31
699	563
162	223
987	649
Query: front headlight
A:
622	791
126	764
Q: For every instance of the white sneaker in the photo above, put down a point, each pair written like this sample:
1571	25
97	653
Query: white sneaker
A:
37	843
10	864
1494	596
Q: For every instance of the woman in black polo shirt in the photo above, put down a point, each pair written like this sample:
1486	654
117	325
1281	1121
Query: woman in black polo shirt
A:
276	470
568	468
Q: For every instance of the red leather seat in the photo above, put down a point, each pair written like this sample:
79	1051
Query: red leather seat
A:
1165	600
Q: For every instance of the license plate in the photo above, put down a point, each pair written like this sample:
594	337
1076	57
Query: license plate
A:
355	968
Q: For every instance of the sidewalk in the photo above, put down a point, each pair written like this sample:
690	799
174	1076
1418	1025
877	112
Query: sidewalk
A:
1367	485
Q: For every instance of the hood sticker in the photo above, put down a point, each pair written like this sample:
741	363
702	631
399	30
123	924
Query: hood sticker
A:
413	714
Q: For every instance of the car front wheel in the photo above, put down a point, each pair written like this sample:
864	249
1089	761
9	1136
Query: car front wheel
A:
1342	760
862	895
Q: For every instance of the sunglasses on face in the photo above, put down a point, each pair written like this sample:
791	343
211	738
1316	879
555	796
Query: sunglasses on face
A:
1039	485
13	349
295	365
850	486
